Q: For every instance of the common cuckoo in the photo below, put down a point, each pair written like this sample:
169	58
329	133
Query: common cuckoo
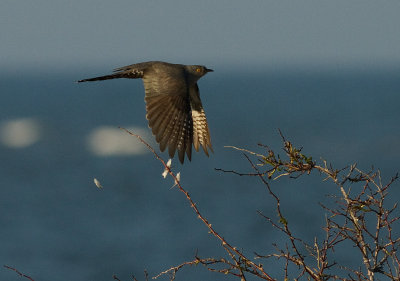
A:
174	110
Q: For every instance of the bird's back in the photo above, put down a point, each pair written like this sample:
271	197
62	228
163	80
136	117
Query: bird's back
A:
165	79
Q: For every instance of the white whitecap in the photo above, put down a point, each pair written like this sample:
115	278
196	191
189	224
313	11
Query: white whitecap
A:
112	141
19	133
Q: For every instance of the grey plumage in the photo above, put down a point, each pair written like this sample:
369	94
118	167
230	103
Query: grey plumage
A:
174	109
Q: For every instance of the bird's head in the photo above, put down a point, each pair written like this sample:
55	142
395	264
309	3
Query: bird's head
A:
199	70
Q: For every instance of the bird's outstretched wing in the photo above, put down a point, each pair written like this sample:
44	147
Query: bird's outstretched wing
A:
168	109
175	112
201	133
171	123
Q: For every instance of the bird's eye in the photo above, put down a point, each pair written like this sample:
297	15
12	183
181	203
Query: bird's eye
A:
198	69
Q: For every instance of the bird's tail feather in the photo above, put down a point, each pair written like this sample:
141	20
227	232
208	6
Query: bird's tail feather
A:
121	73
106	77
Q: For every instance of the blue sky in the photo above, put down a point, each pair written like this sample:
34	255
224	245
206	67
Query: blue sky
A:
50	33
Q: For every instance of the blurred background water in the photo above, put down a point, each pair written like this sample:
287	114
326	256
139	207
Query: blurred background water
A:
326	74
56	222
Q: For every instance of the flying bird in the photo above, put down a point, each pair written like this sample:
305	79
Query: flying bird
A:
174	109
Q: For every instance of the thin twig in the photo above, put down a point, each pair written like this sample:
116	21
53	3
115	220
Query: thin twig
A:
18	272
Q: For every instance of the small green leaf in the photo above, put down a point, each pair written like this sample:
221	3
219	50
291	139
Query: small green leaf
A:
283	221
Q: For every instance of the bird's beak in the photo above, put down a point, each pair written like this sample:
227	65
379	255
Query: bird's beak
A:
209	70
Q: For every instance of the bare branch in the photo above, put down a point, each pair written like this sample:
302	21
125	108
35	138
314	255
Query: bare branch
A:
19	273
